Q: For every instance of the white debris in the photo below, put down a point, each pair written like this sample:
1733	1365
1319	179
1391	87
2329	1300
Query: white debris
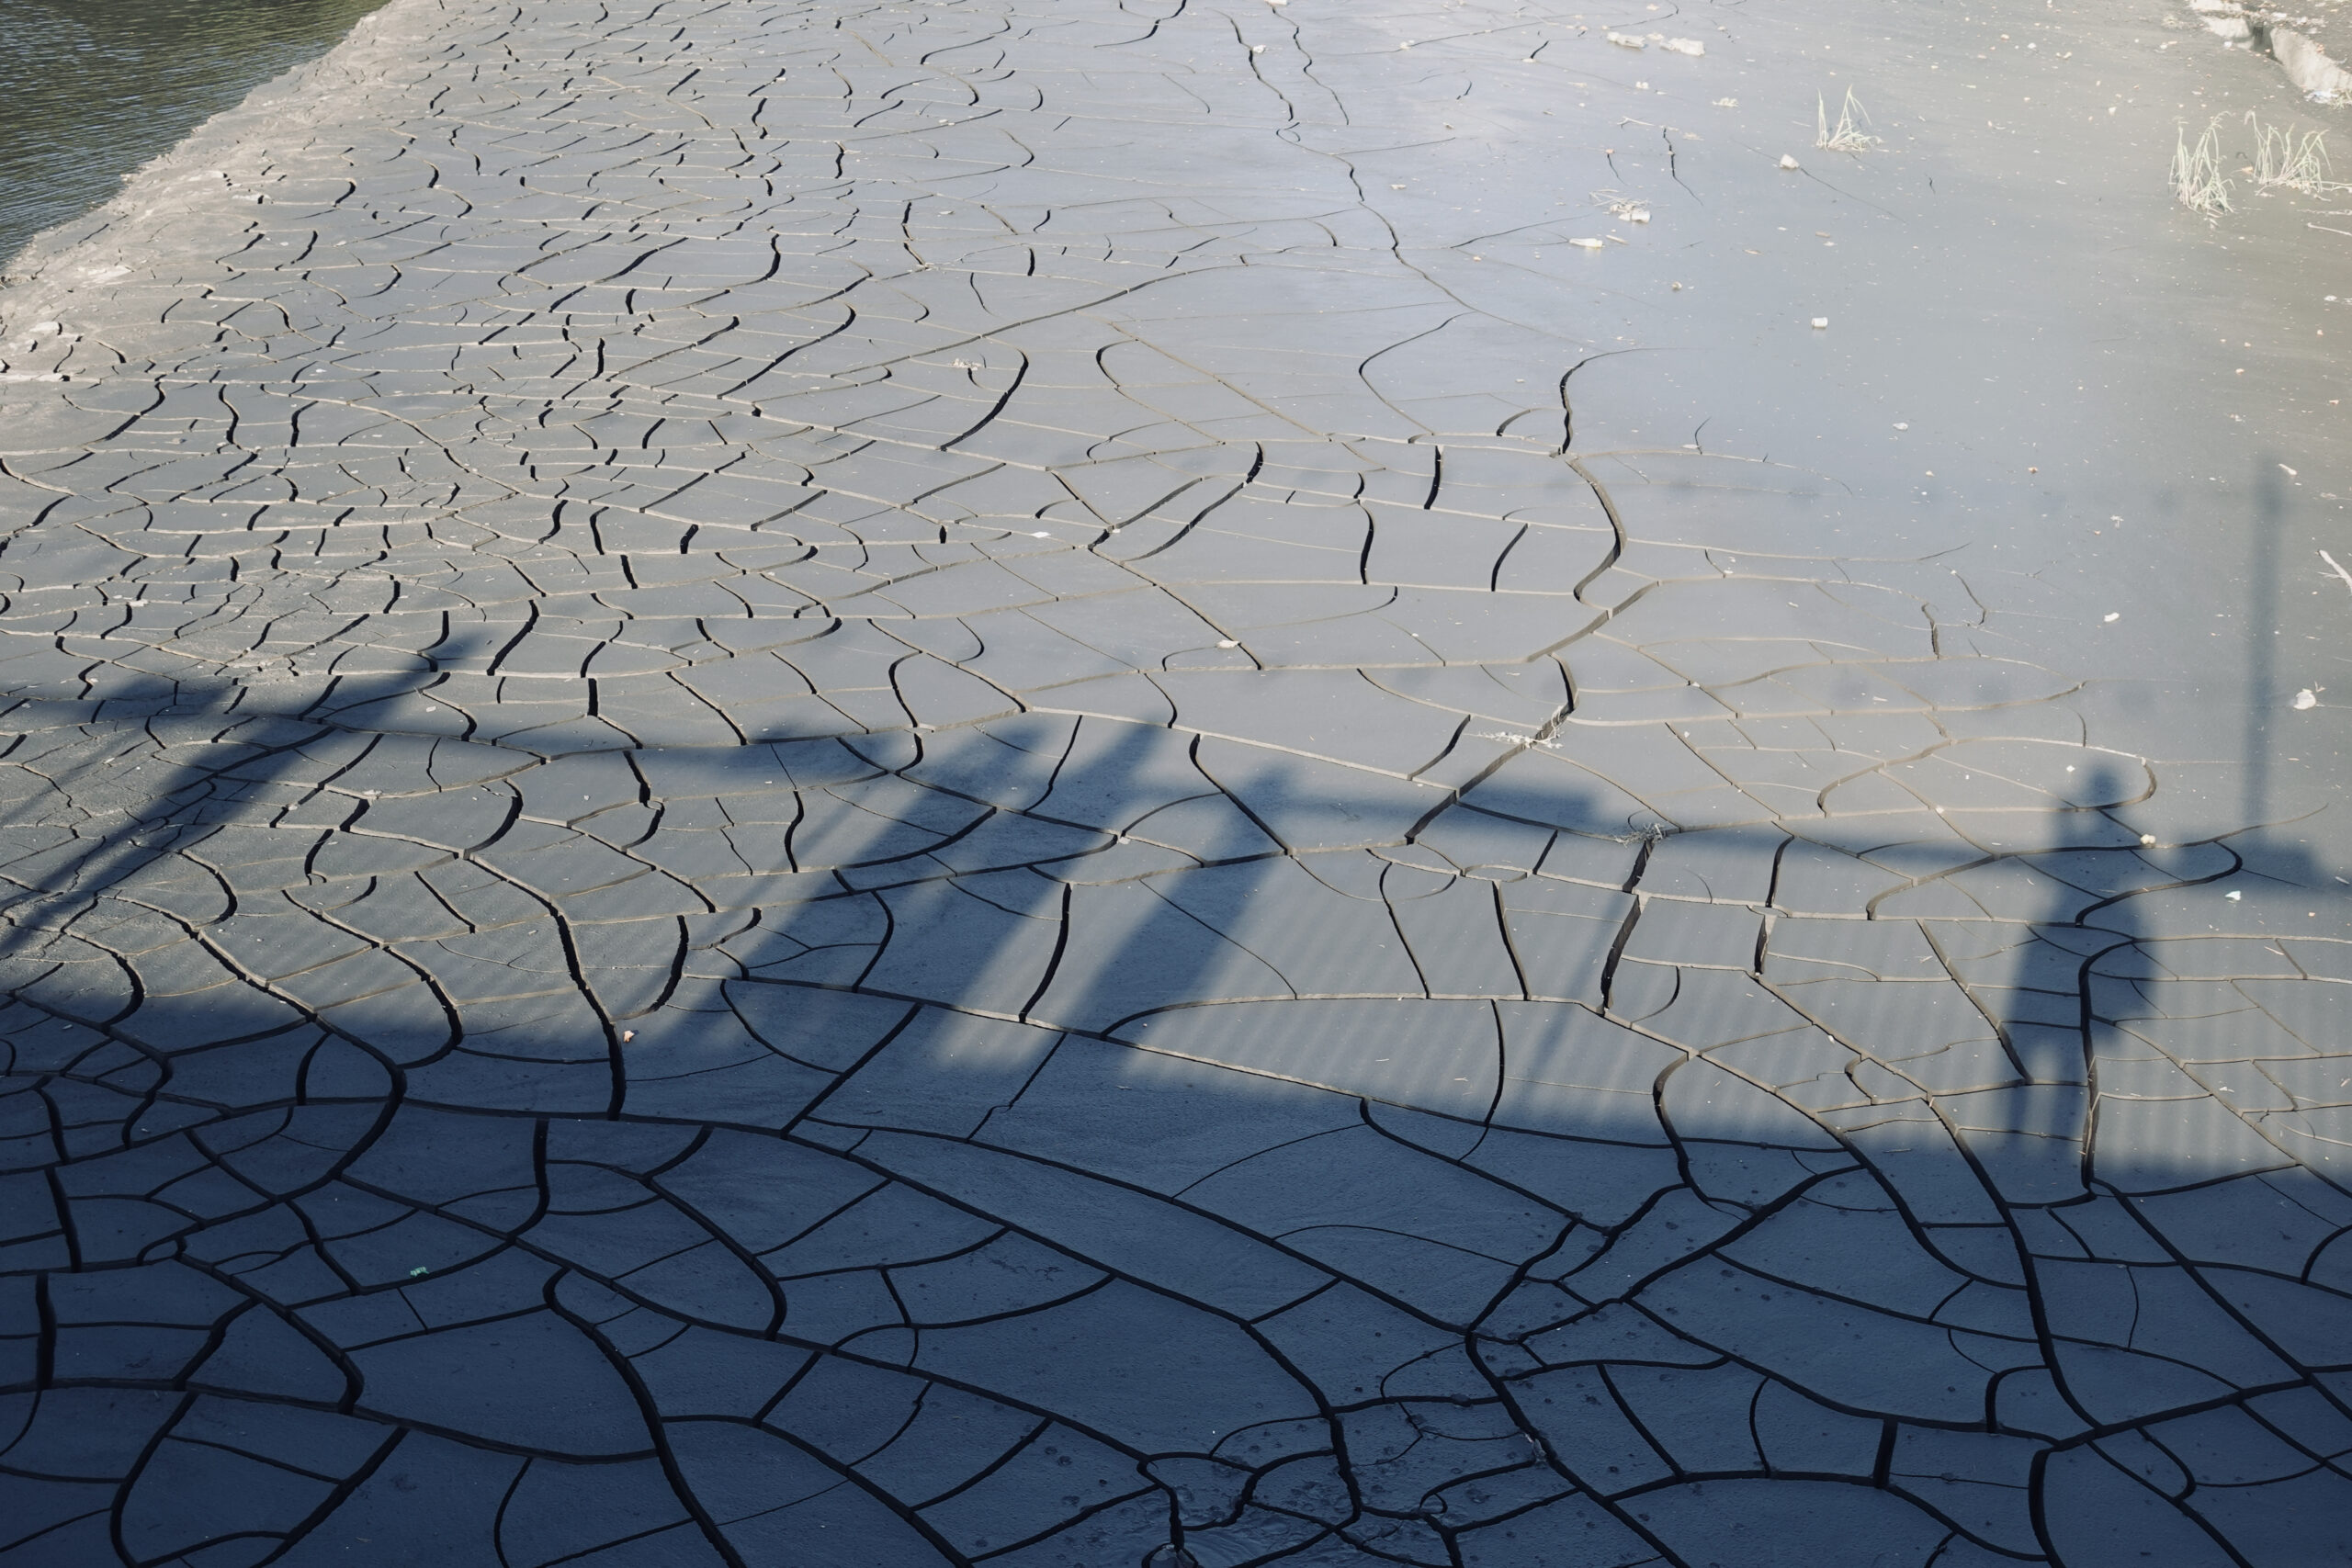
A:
1727	103
1788	162
1819	322
2306	698
2112	615
1900	425
2233	895
2147	841
1625	40
2286	470
1686	46
1585	244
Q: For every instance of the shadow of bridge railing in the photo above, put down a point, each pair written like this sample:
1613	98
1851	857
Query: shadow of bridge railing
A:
348	962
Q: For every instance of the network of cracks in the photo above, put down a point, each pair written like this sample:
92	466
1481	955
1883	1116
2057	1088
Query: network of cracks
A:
717	854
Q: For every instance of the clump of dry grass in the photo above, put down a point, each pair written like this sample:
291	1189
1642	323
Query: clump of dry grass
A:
2284	161
2197	182
1847	135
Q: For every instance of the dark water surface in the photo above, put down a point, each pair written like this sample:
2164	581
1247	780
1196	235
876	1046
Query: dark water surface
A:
90	89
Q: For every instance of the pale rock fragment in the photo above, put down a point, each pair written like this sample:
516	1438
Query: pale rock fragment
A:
2308	66
1626	40
1788	160
1585	244
2306	698
1686	46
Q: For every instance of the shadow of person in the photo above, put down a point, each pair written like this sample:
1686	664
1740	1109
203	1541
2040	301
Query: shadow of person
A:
2050	1024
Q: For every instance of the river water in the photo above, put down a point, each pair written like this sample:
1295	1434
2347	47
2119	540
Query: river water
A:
90	89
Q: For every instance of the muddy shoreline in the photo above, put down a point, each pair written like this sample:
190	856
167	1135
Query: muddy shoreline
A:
1073	782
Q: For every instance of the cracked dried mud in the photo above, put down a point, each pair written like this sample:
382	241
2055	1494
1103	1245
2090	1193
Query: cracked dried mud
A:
993	782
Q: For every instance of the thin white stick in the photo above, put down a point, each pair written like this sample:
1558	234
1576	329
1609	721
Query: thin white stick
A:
2339	571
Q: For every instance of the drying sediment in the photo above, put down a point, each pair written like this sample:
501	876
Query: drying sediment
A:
2307	65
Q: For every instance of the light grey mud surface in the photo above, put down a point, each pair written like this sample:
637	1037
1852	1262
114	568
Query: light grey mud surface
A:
1003	782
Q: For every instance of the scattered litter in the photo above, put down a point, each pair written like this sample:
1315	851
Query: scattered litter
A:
1727	103
2306	698
1787	161
1585	244
2286	470
1641	86
1643	217
1820	321
2332	567
2112	615
419	1272
1226	642
2233	895
1625	40
1677	288
627	1036
1041	534
2147	841
1900	425
1686	46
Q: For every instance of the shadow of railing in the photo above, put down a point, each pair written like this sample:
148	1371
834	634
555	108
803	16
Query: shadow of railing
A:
885	945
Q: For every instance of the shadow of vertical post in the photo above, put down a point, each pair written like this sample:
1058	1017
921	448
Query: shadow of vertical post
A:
2261	624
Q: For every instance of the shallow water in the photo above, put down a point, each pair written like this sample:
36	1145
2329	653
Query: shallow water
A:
90	89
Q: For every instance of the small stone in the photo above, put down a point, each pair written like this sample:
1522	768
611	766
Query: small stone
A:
2306	698
1788	160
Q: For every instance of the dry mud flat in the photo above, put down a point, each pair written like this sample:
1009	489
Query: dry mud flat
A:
911	785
